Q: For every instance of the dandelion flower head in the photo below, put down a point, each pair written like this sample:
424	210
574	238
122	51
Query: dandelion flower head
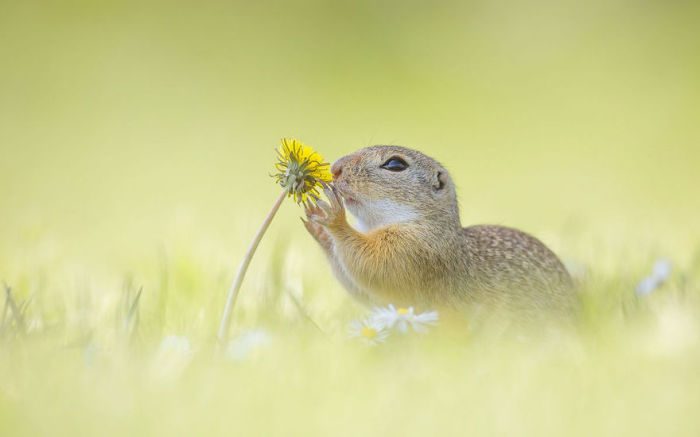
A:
301	171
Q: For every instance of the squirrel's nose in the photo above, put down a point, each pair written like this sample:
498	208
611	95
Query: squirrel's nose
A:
337	169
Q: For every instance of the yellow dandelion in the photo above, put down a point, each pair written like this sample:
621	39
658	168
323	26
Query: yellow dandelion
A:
301	171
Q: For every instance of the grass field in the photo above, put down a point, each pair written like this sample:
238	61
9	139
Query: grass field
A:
136	143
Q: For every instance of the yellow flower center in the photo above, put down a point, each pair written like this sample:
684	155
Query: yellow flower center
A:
368	332
402	311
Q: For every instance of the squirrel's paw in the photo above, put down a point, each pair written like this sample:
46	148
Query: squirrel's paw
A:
316	230
328	214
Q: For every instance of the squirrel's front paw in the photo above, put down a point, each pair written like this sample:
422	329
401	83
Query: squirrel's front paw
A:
329	214
316	230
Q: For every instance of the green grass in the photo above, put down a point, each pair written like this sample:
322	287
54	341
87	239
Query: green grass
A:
87	359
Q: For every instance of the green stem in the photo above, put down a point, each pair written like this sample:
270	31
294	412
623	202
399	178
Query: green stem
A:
236	285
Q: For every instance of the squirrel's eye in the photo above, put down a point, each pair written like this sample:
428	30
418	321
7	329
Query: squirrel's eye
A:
395	164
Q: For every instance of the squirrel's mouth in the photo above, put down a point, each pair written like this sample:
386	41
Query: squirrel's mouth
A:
347	197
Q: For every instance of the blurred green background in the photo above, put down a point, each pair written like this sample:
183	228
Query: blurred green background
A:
136	143
123	123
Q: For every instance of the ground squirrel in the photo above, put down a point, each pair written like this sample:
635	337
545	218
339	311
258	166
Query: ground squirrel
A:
408	246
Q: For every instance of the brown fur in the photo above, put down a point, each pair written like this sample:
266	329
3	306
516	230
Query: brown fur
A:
413	250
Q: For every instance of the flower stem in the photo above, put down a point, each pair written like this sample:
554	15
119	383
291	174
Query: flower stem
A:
236	285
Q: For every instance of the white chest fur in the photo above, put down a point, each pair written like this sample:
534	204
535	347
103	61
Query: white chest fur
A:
379	213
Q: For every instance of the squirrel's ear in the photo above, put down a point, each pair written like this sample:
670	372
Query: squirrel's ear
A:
439	180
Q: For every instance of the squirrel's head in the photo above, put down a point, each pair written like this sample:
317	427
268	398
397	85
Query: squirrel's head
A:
383	185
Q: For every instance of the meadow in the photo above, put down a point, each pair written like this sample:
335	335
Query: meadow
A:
137	141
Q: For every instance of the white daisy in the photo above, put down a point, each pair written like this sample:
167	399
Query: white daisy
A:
659	274
647	285
369	331
247	343
662	270
401	318
175	345
172	357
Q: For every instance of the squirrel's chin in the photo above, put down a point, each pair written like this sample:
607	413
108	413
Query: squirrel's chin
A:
380	213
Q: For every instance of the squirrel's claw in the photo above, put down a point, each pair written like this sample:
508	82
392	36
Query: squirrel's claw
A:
322	206
333	196
318	232
315	213
326	213
333	210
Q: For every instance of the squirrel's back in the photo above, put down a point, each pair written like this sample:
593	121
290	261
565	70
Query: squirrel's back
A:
511	268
